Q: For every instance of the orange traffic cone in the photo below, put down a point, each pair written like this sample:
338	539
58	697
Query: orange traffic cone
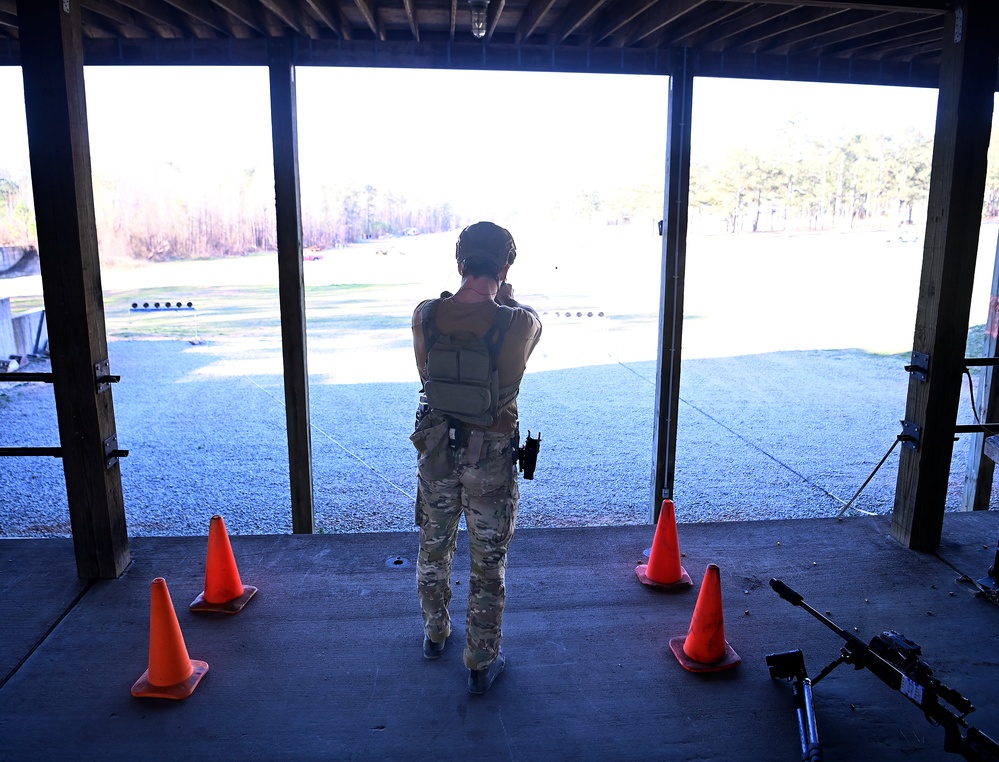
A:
224	590
172	673
704	648
664	568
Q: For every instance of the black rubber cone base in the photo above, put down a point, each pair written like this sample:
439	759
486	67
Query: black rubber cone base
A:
731	658
681	584
226	607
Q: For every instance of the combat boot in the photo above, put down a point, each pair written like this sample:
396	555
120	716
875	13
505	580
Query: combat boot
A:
481	680
432	650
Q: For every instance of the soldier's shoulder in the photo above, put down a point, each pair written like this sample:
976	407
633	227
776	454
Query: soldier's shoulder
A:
418	312
525	321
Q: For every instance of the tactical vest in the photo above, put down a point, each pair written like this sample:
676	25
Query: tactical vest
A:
462	377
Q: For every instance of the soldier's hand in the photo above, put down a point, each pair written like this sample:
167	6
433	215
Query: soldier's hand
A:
505	294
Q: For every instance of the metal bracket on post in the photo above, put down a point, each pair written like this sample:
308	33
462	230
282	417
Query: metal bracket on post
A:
103	377
910	435
111	451
920	367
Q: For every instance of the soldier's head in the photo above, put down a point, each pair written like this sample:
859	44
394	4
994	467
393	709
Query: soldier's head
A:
484	249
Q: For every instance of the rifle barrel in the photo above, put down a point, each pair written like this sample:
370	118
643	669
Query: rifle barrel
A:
796	599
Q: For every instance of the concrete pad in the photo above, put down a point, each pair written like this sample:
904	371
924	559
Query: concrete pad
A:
325	661
38	585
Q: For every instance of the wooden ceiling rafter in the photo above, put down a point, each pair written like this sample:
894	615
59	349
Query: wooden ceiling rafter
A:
573	18
876	45
370	15
117	21
904	6
110	26
328	14
206	14
497	14
414	23
825	21
796	21
245	12
615	17
725	36
95	29
310	25
859	35
531	18
273	26
691	28
166	20
653	20
289	15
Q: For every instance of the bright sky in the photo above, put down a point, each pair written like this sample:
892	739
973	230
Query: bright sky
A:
481	139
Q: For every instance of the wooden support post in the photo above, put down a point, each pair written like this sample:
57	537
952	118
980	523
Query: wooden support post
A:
55	105
957	187
674	248
291	282
981	470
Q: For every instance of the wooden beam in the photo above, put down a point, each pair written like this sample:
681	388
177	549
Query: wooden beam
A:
674	248
980	471
531	18
656	18
100	25
371	16
498	6
617	16
891	26
938	7
205	13
163	18
244	12
414	23
718	37
954	209
284	11
695	28
59	154
574	17
291	281
328	14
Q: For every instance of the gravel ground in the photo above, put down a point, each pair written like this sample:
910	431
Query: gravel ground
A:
799	438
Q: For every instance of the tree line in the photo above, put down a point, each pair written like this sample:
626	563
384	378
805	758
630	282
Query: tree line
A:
805	183
859	180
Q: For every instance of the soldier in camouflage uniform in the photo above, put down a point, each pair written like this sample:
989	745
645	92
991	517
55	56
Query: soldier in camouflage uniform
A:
475	473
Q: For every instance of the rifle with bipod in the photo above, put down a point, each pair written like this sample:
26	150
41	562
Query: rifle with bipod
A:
895	660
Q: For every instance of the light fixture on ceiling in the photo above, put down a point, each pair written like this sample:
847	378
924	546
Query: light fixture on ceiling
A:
478	17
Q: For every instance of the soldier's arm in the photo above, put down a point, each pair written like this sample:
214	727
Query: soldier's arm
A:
505	296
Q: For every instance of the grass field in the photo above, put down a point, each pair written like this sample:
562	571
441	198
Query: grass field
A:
745	294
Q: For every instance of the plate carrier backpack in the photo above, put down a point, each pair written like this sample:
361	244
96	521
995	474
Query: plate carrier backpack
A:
462	378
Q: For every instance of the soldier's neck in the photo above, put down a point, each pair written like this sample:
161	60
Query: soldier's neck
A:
482	289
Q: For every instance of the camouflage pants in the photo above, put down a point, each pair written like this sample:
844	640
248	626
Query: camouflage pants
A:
487	494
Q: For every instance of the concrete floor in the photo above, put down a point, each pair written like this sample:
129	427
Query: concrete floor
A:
325	661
